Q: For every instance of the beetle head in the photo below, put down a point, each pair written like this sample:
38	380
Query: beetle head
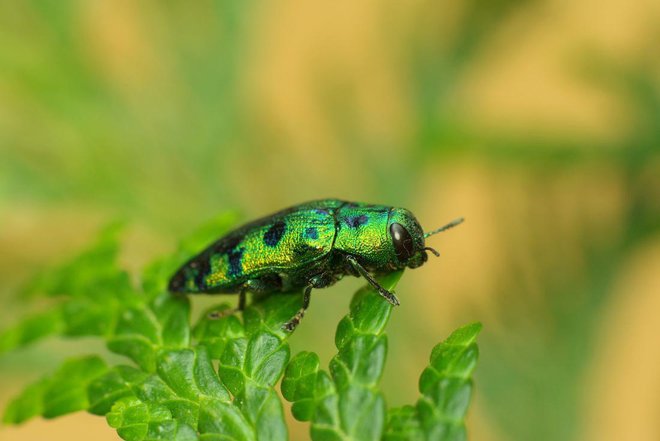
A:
408	238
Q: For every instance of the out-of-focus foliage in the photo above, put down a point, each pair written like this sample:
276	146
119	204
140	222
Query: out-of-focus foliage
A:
172	390
539	121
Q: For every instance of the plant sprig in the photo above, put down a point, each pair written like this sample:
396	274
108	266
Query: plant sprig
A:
170	389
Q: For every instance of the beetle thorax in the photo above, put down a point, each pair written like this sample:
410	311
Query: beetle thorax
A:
362	232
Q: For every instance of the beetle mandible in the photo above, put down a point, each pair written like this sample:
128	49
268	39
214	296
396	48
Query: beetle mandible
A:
311	245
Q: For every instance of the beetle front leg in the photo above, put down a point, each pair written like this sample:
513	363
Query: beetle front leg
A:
389	296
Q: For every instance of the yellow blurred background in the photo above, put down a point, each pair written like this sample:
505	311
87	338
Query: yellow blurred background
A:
537	120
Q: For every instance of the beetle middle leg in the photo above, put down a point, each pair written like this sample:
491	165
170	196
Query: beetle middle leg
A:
254	286
295	320
319	281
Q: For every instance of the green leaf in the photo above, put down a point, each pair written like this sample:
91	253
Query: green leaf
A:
346	404
137	421
28	404
446	387
299	384
93	290
32	329
137	335
67	391
174	320
115	384
63	392
253	359
142	330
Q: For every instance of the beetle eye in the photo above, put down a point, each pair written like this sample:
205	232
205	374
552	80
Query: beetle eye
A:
402	241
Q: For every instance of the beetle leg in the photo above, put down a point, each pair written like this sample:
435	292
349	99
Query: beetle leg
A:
389	296
242	295
295	320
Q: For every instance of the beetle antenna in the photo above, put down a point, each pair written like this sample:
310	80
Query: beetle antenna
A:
432	250
451	224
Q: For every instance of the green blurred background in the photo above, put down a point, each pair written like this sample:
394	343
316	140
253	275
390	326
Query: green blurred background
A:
537	120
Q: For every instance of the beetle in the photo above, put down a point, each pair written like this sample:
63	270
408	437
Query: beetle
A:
308	246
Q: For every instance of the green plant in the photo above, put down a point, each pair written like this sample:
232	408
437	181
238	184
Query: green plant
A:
173	390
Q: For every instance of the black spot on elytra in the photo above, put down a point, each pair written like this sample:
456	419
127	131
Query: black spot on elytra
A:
227	244
357	221
274	234
311	233
235	267
202	268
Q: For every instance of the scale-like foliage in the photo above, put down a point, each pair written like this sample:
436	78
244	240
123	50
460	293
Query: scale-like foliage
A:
347	404
172	390
446	387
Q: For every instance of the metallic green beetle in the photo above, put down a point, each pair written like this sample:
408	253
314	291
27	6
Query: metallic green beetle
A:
311	245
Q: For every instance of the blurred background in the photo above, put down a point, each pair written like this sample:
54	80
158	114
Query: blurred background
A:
537	120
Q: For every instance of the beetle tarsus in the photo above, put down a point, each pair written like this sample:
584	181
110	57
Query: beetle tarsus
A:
216	315
242	296
295	320
390	297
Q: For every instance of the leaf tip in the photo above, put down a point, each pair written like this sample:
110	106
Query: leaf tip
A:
465	334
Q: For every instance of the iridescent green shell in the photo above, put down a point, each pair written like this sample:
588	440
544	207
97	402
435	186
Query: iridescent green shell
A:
304	245
284	242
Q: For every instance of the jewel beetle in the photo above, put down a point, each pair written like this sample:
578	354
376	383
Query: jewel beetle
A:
307	246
